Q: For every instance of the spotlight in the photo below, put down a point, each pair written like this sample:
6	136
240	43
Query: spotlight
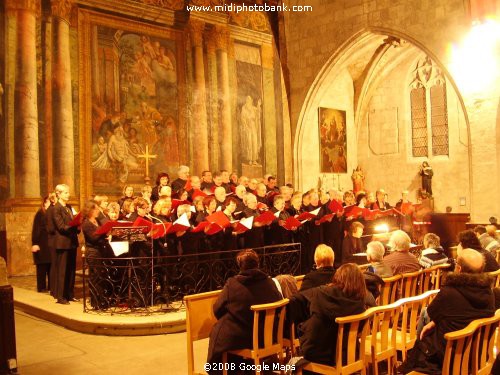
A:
381	228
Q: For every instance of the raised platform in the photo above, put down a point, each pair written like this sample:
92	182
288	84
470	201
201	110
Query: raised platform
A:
43	306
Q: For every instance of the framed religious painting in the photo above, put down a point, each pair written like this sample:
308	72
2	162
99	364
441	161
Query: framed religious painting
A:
332	140
131	102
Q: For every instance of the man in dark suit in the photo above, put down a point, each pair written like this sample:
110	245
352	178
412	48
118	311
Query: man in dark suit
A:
65	242
180	182
323	274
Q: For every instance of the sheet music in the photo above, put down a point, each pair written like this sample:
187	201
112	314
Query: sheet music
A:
119	247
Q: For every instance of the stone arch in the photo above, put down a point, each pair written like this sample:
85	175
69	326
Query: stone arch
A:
331	70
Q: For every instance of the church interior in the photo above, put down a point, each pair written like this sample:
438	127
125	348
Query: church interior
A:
302	97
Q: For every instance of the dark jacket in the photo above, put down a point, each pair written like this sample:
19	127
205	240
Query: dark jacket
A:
234	326
95	241
49	224
318	277
463	297
40	237
65	237
351	245
319	333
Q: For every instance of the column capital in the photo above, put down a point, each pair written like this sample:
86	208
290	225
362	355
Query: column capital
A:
61	8
196	29
29	5
267	55
221	37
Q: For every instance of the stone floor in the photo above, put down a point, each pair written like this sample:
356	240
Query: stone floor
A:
46	348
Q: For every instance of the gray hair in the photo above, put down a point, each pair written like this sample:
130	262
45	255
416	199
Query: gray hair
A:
400	241
375	251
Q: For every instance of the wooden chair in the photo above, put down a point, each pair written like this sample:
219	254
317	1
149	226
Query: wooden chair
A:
271	334
409	284
441	271
498	256
199	321
351	339
406	333
299	280
292	343
427	277
381	343
388	292
471	350
496	276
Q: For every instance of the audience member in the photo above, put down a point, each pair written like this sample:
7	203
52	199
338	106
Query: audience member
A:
467	240
400	260
323	274
433	254
375	251
234	326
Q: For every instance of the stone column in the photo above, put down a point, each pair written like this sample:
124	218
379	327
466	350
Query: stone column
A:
200	136
269	109
221	40
64	144
212	105
26	149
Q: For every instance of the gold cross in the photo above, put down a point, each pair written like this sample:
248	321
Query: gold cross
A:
147	156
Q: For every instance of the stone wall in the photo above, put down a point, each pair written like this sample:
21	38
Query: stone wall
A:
316	40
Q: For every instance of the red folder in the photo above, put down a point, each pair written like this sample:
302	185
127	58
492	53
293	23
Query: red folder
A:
188	186
218	218
407	208
77	220
372	214
159	230
389	212
212	229
267	217
180	225
308	215
354	211
325	218
291	223
335	206
201	227
243	225
140	222
103	229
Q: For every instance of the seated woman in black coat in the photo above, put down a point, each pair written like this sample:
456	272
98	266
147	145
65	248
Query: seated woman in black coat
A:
323	274
234	326
318	332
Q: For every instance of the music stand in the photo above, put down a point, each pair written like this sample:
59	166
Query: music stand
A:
127	236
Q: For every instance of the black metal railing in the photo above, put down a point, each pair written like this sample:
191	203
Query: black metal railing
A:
147	284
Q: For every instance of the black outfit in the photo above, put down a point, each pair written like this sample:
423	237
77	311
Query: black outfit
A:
333	234
314	236
427	180
317	328
380	206
255	236
234	327
51	232
42	259
177	185
490	264
462	298
351	245
318	277
65	243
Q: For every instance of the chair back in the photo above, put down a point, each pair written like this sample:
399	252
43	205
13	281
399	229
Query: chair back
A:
441	271
200	319
496	277
409	284
388	292
410	312
471	350
351	337
268	322
382	339
426	281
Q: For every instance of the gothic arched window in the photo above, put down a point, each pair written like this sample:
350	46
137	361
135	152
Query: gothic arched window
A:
429	113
